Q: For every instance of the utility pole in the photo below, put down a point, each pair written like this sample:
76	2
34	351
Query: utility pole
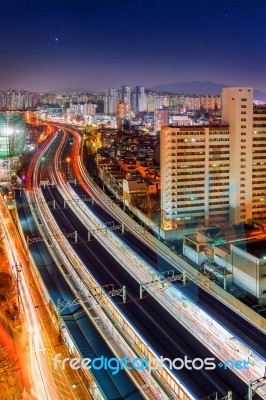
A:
253	386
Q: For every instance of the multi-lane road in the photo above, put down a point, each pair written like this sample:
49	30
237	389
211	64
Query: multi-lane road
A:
74	318
158	327
161	330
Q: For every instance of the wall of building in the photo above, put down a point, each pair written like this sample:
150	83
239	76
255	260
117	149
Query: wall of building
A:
259	164
12	134
194	176
193	255
245	270
216	175
223	258
237	112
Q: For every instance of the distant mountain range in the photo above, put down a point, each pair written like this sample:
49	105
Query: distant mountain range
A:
199	87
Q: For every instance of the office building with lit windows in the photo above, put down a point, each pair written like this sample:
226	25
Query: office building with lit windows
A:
214	175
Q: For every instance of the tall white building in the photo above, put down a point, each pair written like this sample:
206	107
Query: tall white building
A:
110	101
125	94
215	175
140	99
237	112
259	164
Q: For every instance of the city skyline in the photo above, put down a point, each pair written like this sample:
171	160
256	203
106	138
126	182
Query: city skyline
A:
91	46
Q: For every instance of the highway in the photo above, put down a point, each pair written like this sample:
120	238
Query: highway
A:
249	316
233	321
87	339
167	336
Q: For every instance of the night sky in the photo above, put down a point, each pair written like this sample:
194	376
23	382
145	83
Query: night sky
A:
93	44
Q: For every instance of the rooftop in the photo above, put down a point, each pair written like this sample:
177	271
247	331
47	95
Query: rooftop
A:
255	247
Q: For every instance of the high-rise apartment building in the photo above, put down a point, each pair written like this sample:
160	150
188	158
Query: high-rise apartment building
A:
110	101
194	176
259	164
82	108
216	174
161	118
156	101
125	93
237	112
17	99
140	99
123	115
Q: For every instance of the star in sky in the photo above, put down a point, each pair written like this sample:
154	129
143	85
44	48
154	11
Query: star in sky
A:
121	40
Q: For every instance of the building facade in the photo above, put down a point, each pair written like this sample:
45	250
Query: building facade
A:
13	99
12	142
237	112
12	134
194	177
259	164
140	99
161	118
110	101
216	174
123	115
125	94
